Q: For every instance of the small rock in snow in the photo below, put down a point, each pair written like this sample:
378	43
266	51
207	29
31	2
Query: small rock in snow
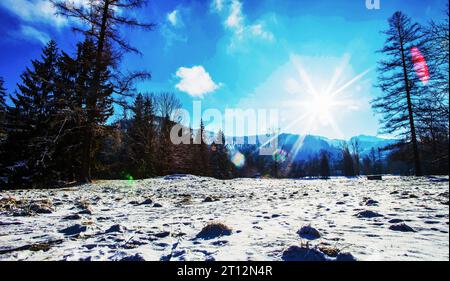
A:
37	208
309	232
72	217
136	257
73	230
114	228
147	202
401	227
371	202
368	214
296	253
210	199
162	234
86	211
395	221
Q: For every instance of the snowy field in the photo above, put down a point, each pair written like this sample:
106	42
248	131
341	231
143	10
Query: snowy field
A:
162	219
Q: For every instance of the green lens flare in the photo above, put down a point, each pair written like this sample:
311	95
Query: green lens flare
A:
128	177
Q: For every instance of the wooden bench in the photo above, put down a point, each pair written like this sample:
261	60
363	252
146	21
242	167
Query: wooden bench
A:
375	178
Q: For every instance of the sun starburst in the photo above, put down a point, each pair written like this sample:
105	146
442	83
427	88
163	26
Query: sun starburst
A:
319	107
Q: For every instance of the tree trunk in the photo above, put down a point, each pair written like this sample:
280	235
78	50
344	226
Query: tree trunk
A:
91	105
418	168
85	176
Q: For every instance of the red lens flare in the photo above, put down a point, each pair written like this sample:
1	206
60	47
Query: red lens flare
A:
420	65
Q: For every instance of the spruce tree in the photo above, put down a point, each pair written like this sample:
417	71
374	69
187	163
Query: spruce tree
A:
221	165
324	165
30	142
103	19
347	161
2	109
141	137
202	153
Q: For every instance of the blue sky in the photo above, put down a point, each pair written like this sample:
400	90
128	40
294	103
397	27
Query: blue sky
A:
242	54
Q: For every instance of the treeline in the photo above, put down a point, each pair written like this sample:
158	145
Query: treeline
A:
414	79
58	128
44	130
347	162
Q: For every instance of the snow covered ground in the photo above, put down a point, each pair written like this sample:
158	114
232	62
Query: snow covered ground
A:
160	219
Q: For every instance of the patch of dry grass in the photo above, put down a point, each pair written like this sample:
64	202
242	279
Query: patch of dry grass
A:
213	230
9	203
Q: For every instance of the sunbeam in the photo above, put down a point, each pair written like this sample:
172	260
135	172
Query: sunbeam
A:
318	107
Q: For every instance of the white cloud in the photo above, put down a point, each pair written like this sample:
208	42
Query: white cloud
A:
172	36
195	81
31	33
258	30
217	5
235	21
34	11
173	29
173	17
41	11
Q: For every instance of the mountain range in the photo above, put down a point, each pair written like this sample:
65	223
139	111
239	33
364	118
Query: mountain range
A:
308	146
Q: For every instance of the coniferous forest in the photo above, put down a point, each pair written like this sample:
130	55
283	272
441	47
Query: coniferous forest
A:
63	124
224	130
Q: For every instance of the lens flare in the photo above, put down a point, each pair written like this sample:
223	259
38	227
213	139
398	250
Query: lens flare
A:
129	178
279	155
238	159
420	65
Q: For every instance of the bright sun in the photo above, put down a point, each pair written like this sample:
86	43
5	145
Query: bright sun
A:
321	108
321	105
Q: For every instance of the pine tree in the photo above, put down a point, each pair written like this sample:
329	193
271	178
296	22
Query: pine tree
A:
2	109
356	151
220	161
69	114
2	95
202	154
103	21
399	82
324	165
30	142
367	165
141	137
347	161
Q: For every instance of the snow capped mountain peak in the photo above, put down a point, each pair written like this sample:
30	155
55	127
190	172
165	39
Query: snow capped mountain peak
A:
307	146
